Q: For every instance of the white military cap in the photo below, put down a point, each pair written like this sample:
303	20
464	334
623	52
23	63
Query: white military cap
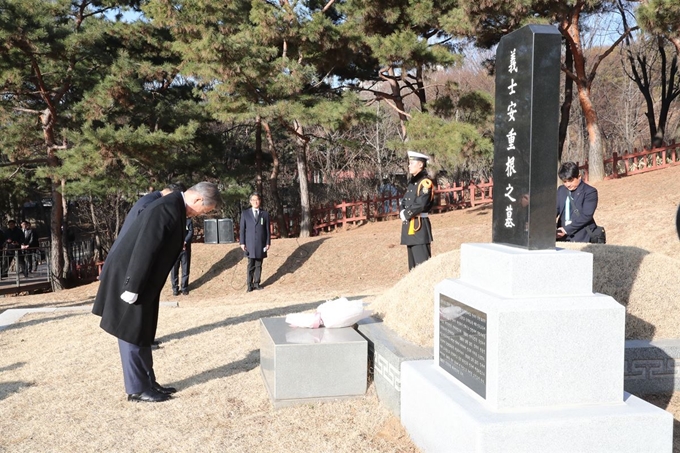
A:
418	156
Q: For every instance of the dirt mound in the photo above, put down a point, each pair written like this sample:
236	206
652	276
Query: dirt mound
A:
641	281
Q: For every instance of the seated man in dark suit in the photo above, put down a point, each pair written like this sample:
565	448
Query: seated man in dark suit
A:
576	204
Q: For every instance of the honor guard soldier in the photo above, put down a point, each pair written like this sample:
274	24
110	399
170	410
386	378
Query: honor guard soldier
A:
416	231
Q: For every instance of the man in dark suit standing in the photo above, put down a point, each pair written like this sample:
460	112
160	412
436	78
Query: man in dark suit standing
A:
185	260
29	246
416	231
576	204
3	265
129	292
14	237
255	239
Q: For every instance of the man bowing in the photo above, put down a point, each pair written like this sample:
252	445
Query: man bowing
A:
129	292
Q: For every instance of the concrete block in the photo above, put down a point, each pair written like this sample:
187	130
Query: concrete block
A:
652	366
544	351
305	365
517	272
441	416
387	351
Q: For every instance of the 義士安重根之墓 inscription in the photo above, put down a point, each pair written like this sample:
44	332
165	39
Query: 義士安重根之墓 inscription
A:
462	343
526	137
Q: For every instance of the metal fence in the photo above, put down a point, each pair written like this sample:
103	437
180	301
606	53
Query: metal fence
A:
24	267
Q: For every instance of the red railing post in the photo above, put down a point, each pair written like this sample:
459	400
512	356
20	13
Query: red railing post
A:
615	161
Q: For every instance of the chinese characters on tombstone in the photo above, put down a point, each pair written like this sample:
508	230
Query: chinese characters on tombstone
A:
525	182
526	137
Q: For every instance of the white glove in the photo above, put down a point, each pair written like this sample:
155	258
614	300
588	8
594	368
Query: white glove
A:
129	297
402	216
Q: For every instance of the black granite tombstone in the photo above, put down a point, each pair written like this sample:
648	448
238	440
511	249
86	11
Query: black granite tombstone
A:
526	137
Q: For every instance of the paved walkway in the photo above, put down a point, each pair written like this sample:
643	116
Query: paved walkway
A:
9	317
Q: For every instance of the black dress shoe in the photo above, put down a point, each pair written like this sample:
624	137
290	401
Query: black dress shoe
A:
175	293
185	292
258	287
249	289
164	390
149	396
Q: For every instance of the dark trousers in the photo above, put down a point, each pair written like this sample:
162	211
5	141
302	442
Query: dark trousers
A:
418	254
4	263
254	271
31	258
11	252
185	260
137	364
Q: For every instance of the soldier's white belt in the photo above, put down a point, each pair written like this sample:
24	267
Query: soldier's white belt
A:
423	214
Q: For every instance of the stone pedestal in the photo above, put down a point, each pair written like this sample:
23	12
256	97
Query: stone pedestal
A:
387	351
524	362
307	365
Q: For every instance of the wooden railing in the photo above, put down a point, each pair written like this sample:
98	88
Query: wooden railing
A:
339	215
639	161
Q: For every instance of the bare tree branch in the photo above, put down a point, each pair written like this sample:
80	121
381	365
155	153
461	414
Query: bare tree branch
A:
328	5
23	162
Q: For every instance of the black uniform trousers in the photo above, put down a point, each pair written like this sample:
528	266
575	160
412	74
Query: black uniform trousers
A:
137	367
418	254
254	272
185	260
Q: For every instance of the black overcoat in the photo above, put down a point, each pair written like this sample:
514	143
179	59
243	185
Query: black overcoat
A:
254	233
417	201
140	264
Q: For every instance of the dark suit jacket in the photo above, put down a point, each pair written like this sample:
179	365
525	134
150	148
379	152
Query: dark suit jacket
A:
254	233
141	264
30	238
189	232
15	235
583	205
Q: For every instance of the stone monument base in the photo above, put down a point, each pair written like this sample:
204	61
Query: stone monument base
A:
442	416
301	365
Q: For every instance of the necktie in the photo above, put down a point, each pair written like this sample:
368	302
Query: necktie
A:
256	212
567	210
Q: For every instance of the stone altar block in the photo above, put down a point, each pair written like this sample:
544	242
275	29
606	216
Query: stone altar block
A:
517	371
301	365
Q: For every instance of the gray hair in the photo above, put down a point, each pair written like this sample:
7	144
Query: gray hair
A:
208	191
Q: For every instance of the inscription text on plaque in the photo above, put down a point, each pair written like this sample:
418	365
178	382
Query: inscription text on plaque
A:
462	343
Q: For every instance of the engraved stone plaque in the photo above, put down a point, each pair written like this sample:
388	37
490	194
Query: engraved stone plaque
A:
462	343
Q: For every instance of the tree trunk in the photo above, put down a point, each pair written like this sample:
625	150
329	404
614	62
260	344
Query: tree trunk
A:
56	255
97	232
258	155
301	156
398	100
66	274
118	222
569	28
57	212
422	96
669	91
273	183
595	145
566	105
